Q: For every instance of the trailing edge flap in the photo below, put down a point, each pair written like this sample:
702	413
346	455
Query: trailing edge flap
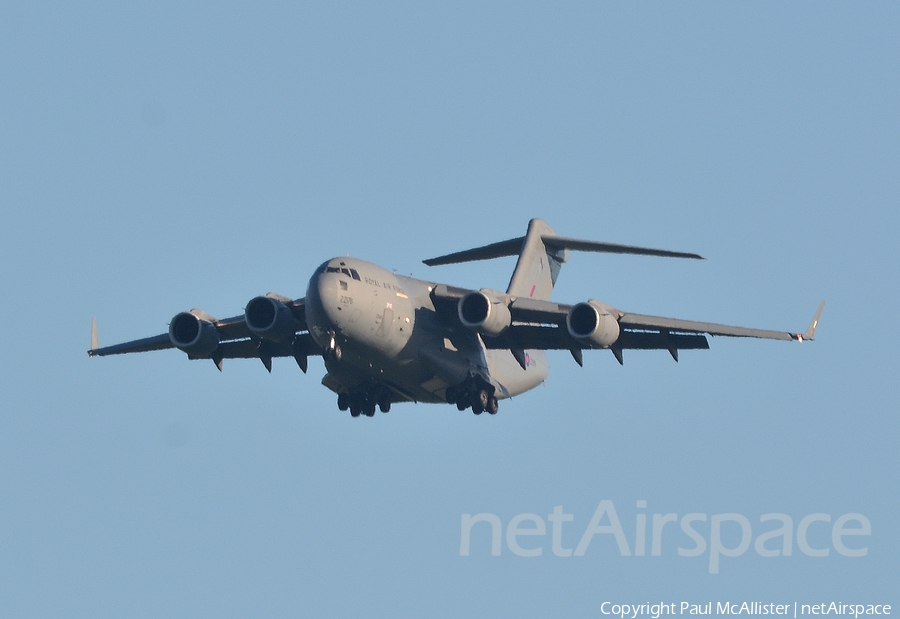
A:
533	337
303	345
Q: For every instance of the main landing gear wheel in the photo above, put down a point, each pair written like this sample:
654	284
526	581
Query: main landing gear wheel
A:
473	394
482	401
364	401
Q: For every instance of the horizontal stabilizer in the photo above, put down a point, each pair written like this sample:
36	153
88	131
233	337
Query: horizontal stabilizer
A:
513	246
559	242
494	250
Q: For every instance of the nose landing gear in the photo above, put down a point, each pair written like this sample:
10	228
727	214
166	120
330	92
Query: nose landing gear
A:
332	350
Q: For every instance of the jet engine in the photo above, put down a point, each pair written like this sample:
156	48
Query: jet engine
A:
486	314
270	319
192	333
593	323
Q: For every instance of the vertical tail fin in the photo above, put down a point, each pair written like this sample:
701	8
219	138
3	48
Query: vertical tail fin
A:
538	266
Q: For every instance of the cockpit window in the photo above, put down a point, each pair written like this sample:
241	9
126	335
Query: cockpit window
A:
342	269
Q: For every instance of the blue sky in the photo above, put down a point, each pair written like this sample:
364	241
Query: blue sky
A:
155	159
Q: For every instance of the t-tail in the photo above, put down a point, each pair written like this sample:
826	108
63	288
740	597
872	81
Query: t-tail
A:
538	265
541	255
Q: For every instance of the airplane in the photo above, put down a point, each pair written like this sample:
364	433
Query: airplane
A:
386	338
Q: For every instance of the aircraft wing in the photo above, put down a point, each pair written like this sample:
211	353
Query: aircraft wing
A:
234	337
228	329
638	321
541	325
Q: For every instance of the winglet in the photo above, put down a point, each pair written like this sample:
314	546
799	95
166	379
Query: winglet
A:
811	331
95	342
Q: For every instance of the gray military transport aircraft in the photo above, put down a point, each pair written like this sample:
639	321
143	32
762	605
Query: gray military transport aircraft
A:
386	338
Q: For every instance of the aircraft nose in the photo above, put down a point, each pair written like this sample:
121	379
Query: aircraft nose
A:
321	303
327	289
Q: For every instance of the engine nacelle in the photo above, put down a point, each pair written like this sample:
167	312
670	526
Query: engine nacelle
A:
270	319
486	314
593	323
193	334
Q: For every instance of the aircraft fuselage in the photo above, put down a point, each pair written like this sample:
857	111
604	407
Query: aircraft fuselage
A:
381	331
